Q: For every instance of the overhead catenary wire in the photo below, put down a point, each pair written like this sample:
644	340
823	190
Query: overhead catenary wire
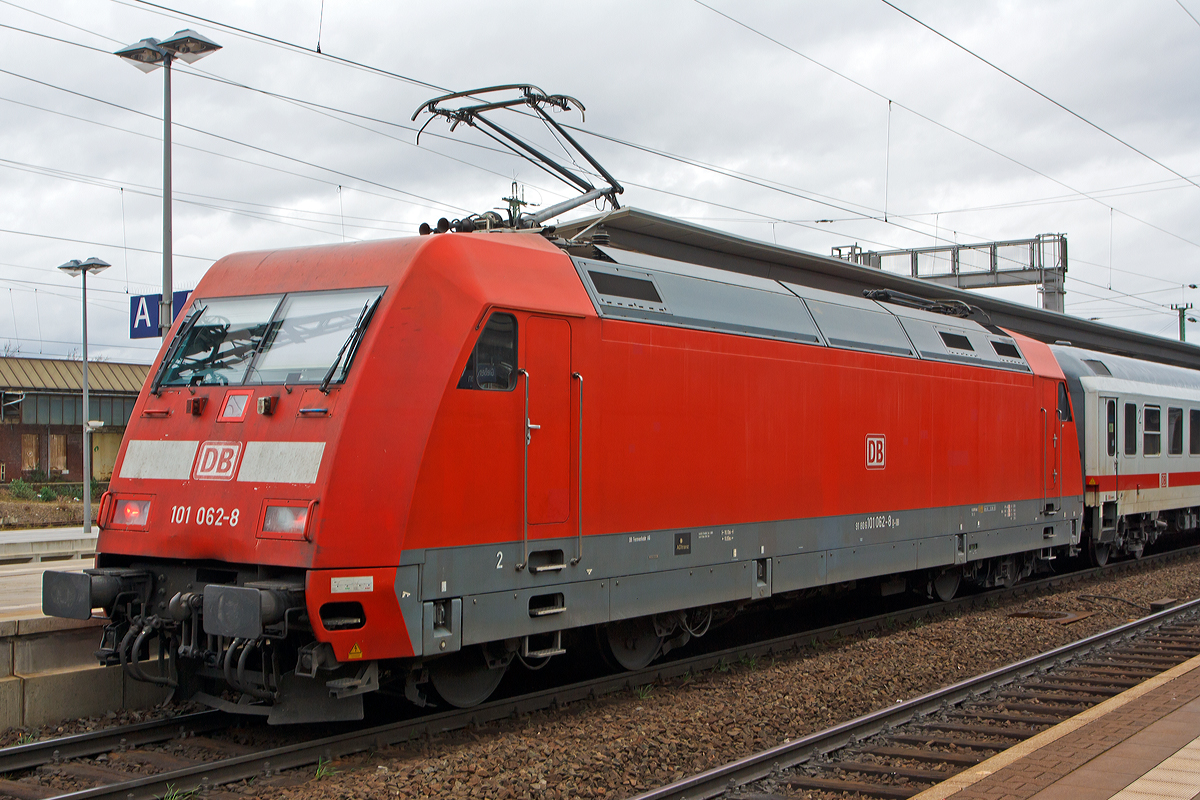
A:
111	245
1040	93
1120	191
222	204
124	108
337	114
933	121
350	62
291	46
1190	14
273	41
681	195
426	201
64	295
180	145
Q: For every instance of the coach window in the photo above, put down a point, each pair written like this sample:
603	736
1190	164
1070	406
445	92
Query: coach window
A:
1064	403
1151	430
1175	431
1194	430
492	365
1110	411
1131	429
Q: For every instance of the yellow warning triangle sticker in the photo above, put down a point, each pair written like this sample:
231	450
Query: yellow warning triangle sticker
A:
356	651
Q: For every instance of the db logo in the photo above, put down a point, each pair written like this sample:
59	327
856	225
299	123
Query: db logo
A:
876	451
216	461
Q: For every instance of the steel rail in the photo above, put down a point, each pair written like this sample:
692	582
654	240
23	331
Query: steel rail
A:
211	774
29	756
719	780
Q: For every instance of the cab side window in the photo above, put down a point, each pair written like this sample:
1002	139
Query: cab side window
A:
1064	403
492	365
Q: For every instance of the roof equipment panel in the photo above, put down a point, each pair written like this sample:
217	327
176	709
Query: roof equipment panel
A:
692	301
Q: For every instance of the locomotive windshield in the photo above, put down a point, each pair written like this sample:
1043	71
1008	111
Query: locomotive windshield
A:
307	337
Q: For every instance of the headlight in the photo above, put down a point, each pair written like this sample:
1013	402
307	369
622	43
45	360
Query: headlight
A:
285	519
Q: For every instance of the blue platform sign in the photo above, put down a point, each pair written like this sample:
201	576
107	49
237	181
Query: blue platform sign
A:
143	313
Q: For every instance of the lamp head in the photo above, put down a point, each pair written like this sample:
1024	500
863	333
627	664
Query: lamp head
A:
146	54
75	267
189	45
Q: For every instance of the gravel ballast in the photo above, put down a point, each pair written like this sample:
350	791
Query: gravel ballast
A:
622	744
626	743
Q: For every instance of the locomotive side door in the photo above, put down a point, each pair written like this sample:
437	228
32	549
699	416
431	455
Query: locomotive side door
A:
1056	412
548	422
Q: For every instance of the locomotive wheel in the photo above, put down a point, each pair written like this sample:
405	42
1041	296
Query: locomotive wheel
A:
1099	552
631	643
464	679
945	586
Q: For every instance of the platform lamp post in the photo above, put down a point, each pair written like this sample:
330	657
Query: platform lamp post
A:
74	268
148	55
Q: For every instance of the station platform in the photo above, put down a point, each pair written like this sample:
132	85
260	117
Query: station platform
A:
48	667
1138	745
26	554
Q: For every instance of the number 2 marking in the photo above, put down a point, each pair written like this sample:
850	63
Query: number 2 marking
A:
499	559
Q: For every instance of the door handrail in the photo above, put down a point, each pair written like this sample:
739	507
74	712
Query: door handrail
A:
525	502
1044	432
579	505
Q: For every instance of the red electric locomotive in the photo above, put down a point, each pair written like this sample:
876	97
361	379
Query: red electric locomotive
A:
423	459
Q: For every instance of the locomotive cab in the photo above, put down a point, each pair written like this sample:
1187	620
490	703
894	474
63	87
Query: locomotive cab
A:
257	537
220	474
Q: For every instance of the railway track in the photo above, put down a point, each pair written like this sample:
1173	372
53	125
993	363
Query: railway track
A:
153	759
900	751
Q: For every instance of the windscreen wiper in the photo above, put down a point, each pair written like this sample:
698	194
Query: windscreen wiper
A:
184	330
351	342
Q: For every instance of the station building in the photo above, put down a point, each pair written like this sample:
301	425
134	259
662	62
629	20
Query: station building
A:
42	416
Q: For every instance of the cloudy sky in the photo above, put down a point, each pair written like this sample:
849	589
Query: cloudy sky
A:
804	123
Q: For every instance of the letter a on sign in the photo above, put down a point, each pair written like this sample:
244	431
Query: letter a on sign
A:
876	451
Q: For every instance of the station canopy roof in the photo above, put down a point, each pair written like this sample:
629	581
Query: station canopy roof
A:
54	375
656	235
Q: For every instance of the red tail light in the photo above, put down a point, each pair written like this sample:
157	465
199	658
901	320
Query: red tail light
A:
130	513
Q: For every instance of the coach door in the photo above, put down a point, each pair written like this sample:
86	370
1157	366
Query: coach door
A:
548	421
1106	435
